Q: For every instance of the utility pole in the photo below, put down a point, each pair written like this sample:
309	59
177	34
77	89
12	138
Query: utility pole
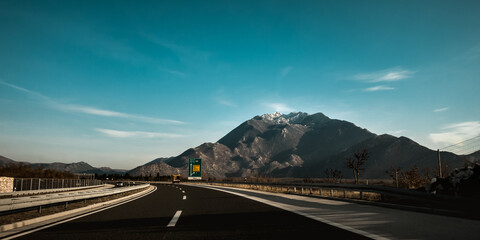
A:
396	176
439	164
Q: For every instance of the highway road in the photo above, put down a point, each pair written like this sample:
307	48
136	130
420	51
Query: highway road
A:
213	212
205	214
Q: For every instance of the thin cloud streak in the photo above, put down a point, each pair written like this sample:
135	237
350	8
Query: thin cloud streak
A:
378	88
440	109
397	132
457	132
226	103
174	72
109	113
23	89
136	134
185	54
385	75
90	110
285	71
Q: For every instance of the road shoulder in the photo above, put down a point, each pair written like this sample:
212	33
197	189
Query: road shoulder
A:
370	221
27	226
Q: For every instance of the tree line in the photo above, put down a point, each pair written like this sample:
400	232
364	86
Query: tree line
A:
22	170
412	178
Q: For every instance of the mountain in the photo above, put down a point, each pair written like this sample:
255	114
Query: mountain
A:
4	161
153	167
298	145
287	145
79	167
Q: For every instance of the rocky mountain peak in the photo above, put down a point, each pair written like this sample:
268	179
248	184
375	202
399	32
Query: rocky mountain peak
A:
297	145
280	118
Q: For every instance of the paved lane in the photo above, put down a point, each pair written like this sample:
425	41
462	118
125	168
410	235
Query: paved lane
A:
205	214
372	221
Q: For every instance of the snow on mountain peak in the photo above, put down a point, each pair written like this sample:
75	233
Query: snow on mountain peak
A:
280	118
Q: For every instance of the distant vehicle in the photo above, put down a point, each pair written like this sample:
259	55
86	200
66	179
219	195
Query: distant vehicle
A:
175	178
119	184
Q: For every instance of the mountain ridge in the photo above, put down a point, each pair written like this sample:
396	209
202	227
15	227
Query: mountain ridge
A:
76	167
299	144
286	145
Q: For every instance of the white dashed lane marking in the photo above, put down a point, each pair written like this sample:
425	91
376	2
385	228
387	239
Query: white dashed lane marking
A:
174	219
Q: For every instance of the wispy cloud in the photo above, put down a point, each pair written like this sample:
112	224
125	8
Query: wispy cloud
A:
389	75
113	49
225	102
457	132
90	110
174	72
285	71
222	98
186	54
441	109
136	134
32	93
472	54
109	113
121	51
397	132
378	88
279	107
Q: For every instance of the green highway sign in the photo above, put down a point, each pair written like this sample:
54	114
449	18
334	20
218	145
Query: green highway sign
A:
195	169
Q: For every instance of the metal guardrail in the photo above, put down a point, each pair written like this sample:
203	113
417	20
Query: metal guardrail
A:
47	191
42	200
339	190
26	184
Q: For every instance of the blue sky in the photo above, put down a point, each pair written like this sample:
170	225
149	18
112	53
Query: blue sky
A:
119	83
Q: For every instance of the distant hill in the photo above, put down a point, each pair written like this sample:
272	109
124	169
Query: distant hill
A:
287	145
80	167
4	161
299	145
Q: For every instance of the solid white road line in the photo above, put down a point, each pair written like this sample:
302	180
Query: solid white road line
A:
174	219
77	217
289	208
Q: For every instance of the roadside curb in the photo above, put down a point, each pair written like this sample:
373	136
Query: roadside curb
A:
25	225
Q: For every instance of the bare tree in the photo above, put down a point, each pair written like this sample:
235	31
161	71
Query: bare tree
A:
333	175
327	174
411	178
414	178
337	175
394	172
356	163
22	170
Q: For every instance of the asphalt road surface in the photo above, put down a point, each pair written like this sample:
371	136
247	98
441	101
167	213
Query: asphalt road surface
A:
188	212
